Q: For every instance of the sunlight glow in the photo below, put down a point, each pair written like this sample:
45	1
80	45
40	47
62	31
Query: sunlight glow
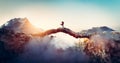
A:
75	19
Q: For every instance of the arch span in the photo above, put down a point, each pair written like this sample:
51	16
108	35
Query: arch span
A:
64	30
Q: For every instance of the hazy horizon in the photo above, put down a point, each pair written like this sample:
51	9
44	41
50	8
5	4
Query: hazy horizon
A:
77	14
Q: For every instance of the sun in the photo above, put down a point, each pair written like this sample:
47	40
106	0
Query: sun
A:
35	24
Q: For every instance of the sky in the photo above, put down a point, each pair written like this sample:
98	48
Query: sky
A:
77	14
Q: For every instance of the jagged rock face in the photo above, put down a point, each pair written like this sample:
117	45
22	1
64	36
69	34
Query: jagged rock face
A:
13	38
103	46
11	44
21	25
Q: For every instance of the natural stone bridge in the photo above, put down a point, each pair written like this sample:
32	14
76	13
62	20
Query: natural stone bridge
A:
64	30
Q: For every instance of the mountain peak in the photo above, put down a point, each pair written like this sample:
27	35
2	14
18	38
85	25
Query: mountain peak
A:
97	30
105	28
21	25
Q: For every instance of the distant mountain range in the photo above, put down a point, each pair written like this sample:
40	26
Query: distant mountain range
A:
22	25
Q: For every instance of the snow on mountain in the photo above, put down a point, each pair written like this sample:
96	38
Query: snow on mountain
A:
21	25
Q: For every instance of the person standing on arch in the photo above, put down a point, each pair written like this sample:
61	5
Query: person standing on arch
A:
62	24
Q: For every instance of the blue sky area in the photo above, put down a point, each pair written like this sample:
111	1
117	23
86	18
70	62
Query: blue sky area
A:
63	10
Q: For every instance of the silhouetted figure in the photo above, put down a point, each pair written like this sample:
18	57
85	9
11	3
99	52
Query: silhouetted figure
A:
62	24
